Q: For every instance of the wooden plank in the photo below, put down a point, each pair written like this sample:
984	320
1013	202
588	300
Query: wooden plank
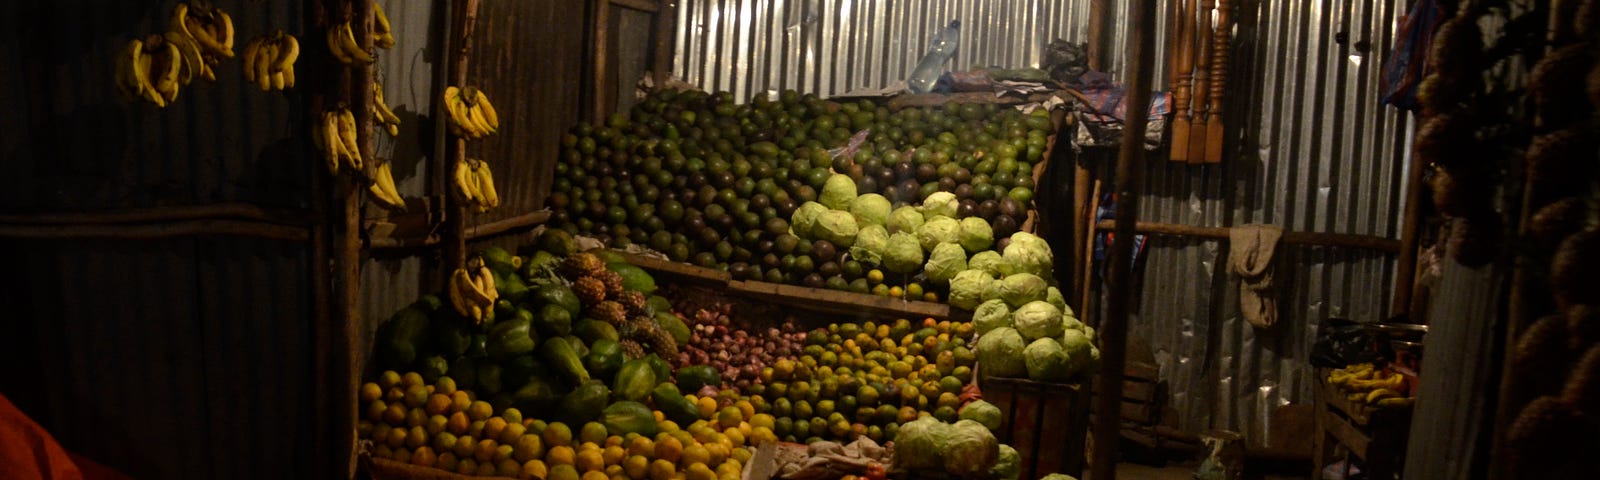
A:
182	228
1138	392
906	100
702	274
1347	434
1368	242
834	301
643	5
234	211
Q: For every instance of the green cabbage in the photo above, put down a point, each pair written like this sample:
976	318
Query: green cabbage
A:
940	204
1080	352
939	230
1069	322
990	315
1020	288
870	209
982	412
976	235
903	254
1053	295
838	192
966	289
1028	253
1047	361
970	449
919	445
988	260
1088	331
992	292
804	218
870	244
905	219
836	226
945	261
1000	353
1008	466
1058	476
1037	319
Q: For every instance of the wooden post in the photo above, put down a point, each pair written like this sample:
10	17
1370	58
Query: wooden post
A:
1219	83
1184	70
662	63
1099	35
463	19
601	42
1088	256
1406	268
1202	82
1130	178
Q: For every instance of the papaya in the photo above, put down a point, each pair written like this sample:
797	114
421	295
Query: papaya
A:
432	367
660	366
535	395
557	241
499	261
402	339
578	345
429	303
591	330
659	303
607	255
634	380
627	417
633	277
540	266
512	337
553	321
559	355
584	403
693	378
604	358
511	287
489	378
556	293
674	326
671	402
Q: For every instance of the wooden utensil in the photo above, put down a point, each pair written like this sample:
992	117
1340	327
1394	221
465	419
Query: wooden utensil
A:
1183	68
1219	82
1202	78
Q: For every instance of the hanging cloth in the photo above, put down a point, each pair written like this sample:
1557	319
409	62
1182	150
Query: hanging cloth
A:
1407	62
1250	249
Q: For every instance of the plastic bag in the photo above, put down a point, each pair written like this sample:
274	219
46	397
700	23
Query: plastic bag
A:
1341	342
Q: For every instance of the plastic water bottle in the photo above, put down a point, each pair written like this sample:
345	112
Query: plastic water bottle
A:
932	64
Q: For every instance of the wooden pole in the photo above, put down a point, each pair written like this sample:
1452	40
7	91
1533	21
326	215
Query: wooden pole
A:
1345	240
347	248
1088	256
601	42
1113	331
1202	82
1406	268
1181	76
1219	82
462	22
1099	35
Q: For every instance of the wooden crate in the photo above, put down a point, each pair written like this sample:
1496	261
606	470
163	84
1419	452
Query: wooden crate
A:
1046	423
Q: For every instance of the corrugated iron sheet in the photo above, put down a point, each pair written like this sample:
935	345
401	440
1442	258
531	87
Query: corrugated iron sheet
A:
1310	149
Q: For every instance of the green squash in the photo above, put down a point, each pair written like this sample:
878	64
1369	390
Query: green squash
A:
604	358
627	417
695	377
634	381
584	404
512	338
672	404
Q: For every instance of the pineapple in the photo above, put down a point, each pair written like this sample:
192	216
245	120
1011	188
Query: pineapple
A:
613	282
631	349
610	312
633	301
661	342
590	290
582	265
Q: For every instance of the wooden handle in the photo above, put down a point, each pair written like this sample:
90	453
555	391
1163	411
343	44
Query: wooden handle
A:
1183	69
1202	78
1219	83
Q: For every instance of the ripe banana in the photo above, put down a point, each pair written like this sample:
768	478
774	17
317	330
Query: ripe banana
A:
481	101
129	81
458	298
484	279
342	41
269	60
347	131
212	31
382	34
490	197
471	115
380	108
466	185
150	69
473	299
383	187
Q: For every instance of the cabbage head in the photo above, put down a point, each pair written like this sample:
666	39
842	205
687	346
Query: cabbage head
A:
1020	288
970	449
903	254
1037	319
870	244
1028	253
993	291
1008	466
804	218
905	219
988	260
1048	361
966	289
1000	353
991	315
870	209
836	226
982	412
920	443
945	261
976	235
1088	331
939	230
1058	476
838	192
1069	322
1053	295
1080	352
940	204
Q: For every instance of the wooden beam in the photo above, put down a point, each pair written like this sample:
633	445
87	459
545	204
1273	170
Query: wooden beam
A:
343	361
517	224
600	39
1367	242
220	211
159	230
643	5
1131	165
1406	267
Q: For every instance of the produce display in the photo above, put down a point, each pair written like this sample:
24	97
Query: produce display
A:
269	61
755	189
153	68
1363	383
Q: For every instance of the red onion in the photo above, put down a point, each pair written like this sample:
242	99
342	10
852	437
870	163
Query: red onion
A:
707	391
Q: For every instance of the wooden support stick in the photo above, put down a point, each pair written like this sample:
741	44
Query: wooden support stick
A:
1367	242
463	21
1088	256
1181	76
1202	79
1219	83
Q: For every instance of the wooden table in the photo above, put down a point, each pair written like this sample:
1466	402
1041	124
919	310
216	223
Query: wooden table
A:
1375	435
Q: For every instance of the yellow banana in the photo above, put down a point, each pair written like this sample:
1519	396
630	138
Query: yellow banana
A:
1355	397
457	297
475	115
489	113
491	197
383	188
485	280
179	20
288	52
347	40
225	28
1382	393
203	37
470	289
288	77
277	80
347	127
383	35
453	106
334	146
189	56
127	74
263	71
167	83
1396	402
144	71
337	47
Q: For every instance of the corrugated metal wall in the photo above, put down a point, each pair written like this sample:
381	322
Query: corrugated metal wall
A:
1311	149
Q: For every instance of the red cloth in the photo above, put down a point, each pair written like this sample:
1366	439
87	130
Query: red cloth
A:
28	452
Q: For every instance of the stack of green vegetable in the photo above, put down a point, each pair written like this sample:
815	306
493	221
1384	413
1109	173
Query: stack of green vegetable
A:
714	183
1027	331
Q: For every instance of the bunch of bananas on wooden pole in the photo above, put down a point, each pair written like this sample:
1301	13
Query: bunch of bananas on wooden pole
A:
335	138
269	61
1370	385
471	114
474	185
383	188
342	40
153	68
381	111
472	291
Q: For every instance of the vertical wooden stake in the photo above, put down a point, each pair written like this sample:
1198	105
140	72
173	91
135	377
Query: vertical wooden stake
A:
1202	85
1406	267
1088	255
1130	179
1099	34
463	18
1184	70
1219	82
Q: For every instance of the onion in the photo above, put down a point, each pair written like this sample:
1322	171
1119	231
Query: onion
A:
707	391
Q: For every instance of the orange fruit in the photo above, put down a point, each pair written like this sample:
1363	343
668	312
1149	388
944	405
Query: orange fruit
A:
590	461
529	447
641	446
557	434
370	392
613	455
637	467
594	475
438	403
480	410
435	424
411	378
562	472
485	451
662	470
511	433
669	449
534	469
457	423
493	426
424	457
466	447
388	379
560	455
508	468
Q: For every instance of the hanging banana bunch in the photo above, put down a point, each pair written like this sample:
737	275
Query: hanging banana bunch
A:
381	111
269	60
383	188
150	69
474	185
472	291
471	114
383	35
342	42
335	138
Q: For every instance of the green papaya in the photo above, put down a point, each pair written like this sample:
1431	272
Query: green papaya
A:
660	366
511	338
604	358
540	266
578	345
465	372
535	395
674	326
671	402
557	241
627	417
401	339
499	261
556	293
559	355
489	378
590	330
432	367
607	255
634	381
633	277
511	287
695	377
584	403
553	321
659	304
